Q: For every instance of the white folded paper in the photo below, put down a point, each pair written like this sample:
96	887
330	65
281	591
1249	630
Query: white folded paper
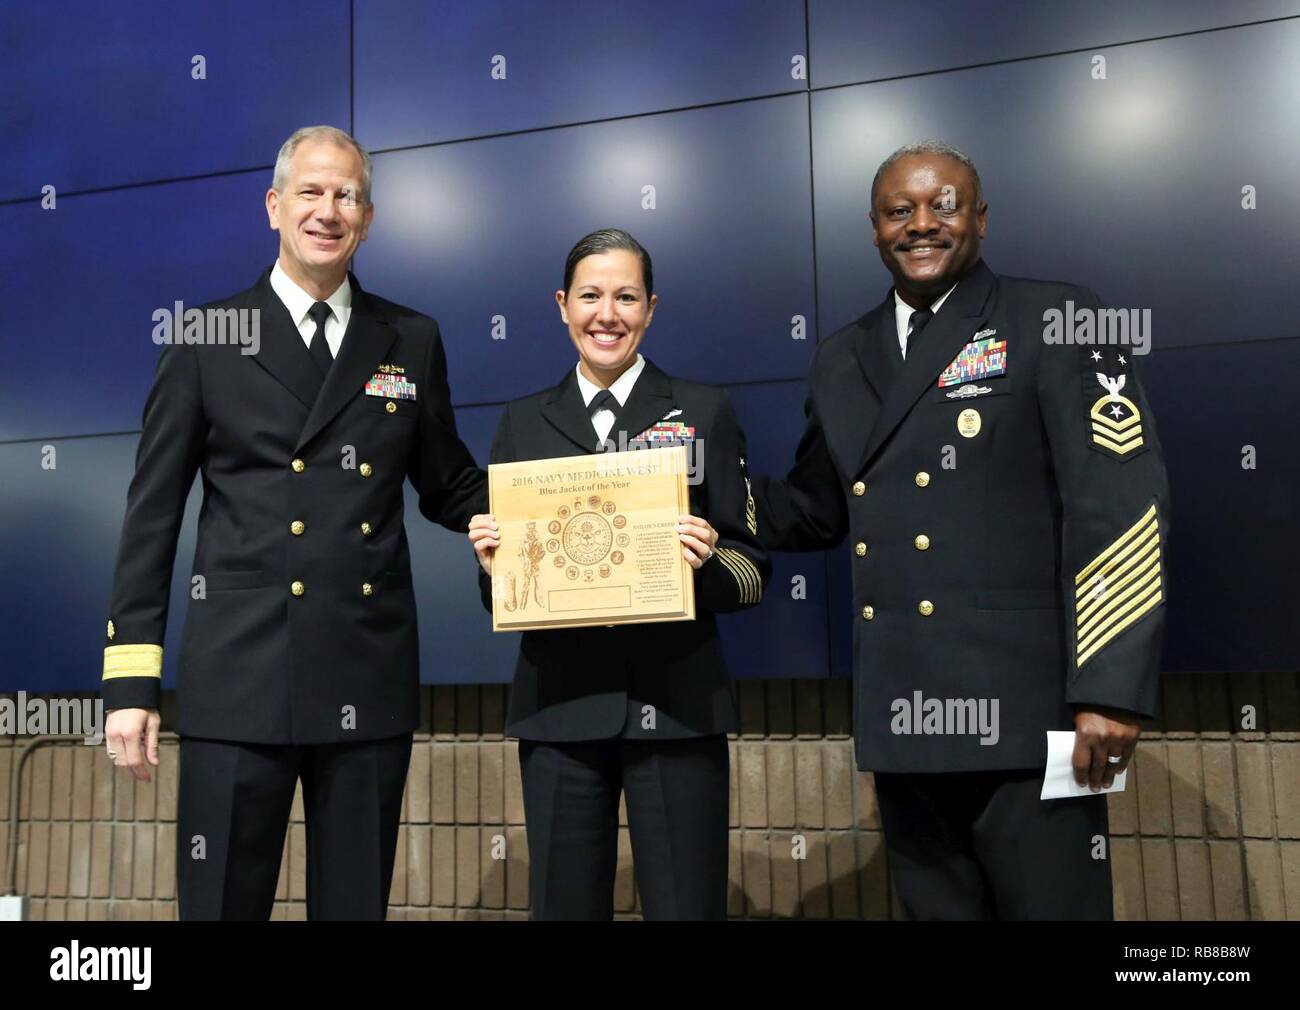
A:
1058	782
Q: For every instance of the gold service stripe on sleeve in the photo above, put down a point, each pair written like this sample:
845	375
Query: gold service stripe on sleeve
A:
1118	587
1144	606
1118	545
1104	582
1110	589
1101	618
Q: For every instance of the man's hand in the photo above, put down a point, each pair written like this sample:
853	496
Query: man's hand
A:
131	736
1100	734
483	534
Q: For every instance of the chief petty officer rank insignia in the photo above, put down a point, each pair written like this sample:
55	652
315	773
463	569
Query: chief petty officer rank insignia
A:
1115	420
389	381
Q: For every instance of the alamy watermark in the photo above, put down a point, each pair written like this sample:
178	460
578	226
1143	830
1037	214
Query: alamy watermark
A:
213	327
921	716
38	716
694	453
1124	327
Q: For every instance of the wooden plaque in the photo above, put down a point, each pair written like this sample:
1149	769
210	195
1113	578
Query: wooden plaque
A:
591	540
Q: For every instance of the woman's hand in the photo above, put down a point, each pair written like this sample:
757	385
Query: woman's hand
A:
698	539
486	539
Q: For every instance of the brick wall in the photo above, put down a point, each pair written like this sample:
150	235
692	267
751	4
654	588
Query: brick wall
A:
1208	829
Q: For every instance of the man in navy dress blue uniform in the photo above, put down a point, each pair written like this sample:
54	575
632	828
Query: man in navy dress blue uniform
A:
299	659
1005	506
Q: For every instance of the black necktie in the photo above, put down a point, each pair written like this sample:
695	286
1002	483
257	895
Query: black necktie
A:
604	400
919	318
320	350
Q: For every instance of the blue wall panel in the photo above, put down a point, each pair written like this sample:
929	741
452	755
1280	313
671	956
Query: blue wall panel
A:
565	62
1131	185
466	232
1234	549
59	571
786	635
78	293
852	41
58	552
100	94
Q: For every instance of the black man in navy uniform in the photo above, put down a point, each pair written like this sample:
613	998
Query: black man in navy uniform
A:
1003	499
299	659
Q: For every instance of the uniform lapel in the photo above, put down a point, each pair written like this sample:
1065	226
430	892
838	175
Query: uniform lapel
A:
851	410
950	330
567	413
876	345
365	344
283	352
650	400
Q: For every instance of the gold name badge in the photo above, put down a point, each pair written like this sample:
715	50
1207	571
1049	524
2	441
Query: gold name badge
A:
968	422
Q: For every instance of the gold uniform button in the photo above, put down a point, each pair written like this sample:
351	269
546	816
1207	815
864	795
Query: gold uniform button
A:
860	549
868	612
367	589
859	489
925	607
296	527
366	529
297	588
391	407
298	466
366	469
922	479
922	542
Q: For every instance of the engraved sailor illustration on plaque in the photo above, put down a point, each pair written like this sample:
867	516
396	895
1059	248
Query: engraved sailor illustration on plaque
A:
531	553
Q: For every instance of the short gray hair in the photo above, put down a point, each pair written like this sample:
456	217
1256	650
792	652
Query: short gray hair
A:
928	147
331	133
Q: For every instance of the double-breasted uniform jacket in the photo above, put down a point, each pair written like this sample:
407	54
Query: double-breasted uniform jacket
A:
1006	511
302	623
596	683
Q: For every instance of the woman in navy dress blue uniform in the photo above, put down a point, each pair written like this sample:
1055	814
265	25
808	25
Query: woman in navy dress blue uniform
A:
640	710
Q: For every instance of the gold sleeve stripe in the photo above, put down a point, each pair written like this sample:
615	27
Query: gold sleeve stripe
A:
746	576
743	571
132	661
1115	603
745	589
1118	587
1143	525
1103	588
1144	606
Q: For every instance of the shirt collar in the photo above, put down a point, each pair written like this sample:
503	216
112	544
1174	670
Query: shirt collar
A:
622	387
903	311
299	302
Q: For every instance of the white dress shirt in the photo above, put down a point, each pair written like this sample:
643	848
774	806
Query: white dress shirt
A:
622	389
903	317
299	303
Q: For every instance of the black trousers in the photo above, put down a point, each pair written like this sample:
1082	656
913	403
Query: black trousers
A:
233	811
982	845
677	793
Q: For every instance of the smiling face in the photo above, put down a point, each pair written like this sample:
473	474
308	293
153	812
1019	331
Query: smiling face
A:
927	224
607	312
320	215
